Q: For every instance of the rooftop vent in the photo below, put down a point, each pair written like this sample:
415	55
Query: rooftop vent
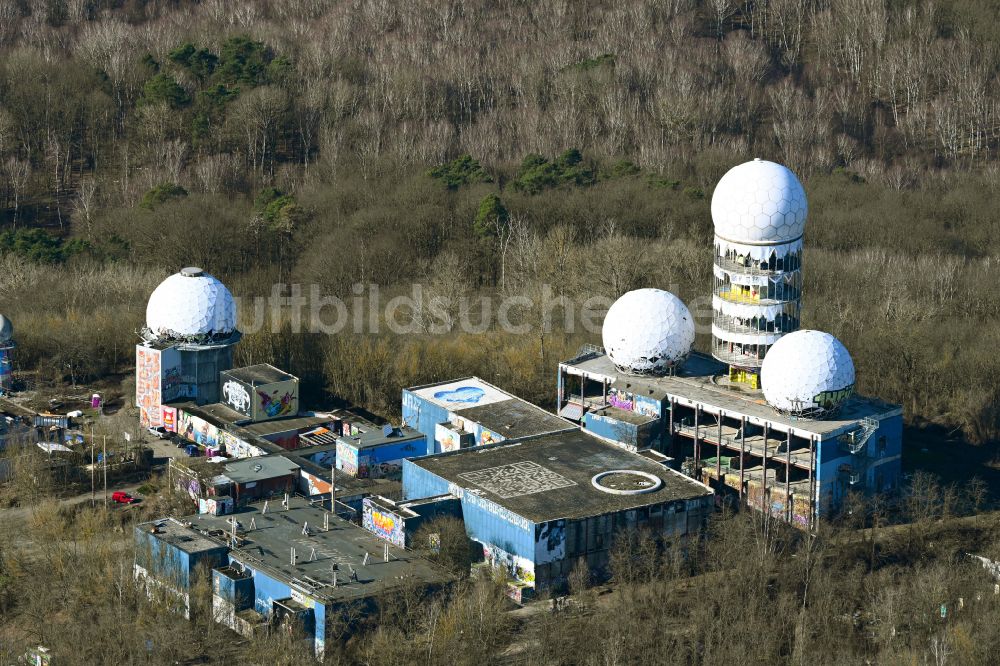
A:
192	271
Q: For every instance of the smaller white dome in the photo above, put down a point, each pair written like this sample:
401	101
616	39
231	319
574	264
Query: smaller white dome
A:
190	305
648	331
6	329
759	202
807	373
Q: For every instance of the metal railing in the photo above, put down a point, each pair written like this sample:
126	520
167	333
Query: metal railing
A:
727	323
753	268
741	360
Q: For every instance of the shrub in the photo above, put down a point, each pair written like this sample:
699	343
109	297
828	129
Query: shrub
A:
161	194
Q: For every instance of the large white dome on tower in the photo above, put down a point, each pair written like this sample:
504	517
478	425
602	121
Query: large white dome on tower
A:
190	305
648	331
759	202
807	373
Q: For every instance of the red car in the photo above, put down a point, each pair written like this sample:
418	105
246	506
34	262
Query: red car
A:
122	497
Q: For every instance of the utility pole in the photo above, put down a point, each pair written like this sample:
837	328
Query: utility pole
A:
93	465
105	454
333	486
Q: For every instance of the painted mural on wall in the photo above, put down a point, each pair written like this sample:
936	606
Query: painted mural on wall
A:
168	416
315	485
347	458
647	406
275	403
382	470
518	568
236	396
631	402
489	437
147	386
447	438
550	542
383	524
237	448
461	394
197	430
324	458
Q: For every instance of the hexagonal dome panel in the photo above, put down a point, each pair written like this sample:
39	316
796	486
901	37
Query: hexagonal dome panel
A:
647	332
190	305
759	202
807	373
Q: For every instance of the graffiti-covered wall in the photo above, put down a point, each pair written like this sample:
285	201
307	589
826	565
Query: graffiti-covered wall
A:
276	400
263	401
383	524
197	429
147	385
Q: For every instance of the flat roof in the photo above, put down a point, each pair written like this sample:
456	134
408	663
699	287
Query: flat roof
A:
493	408
262	373
704	381
375	437
549	477
285	424
176	533
267	547
261	468
216	410
459	394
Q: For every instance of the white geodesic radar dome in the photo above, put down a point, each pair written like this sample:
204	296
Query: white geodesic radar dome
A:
190	305
648	331
807	373
759	202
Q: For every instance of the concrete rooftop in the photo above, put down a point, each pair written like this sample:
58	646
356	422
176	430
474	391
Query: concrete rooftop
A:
268	547
549	477
262	373
704	381
493	408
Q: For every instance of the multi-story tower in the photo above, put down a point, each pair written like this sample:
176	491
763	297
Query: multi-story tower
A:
759	211
188	339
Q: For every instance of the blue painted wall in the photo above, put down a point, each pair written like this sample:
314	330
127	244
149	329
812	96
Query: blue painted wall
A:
266	590
613	429
422	415
832	455
239	592
418	483
485	521
394	452
170	563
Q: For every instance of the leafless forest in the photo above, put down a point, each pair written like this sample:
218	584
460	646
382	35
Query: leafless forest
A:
297	142
492	148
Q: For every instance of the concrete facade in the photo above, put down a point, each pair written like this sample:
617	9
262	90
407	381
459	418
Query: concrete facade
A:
725	434
535	507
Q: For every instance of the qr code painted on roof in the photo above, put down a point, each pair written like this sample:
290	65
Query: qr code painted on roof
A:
516	479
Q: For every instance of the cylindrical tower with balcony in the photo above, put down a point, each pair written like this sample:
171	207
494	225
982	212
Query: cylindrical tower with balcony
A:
759	211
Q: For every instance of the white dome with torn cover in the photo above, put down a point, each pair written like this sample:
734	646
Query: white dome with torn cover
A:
190	306
808	374
647	332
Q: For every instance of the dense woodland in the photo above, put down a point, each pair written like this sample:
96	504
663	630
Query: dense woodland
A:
483	148
490	149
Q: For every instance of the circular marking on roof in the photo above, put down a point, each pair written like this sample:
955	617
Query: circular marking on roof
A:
626	482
